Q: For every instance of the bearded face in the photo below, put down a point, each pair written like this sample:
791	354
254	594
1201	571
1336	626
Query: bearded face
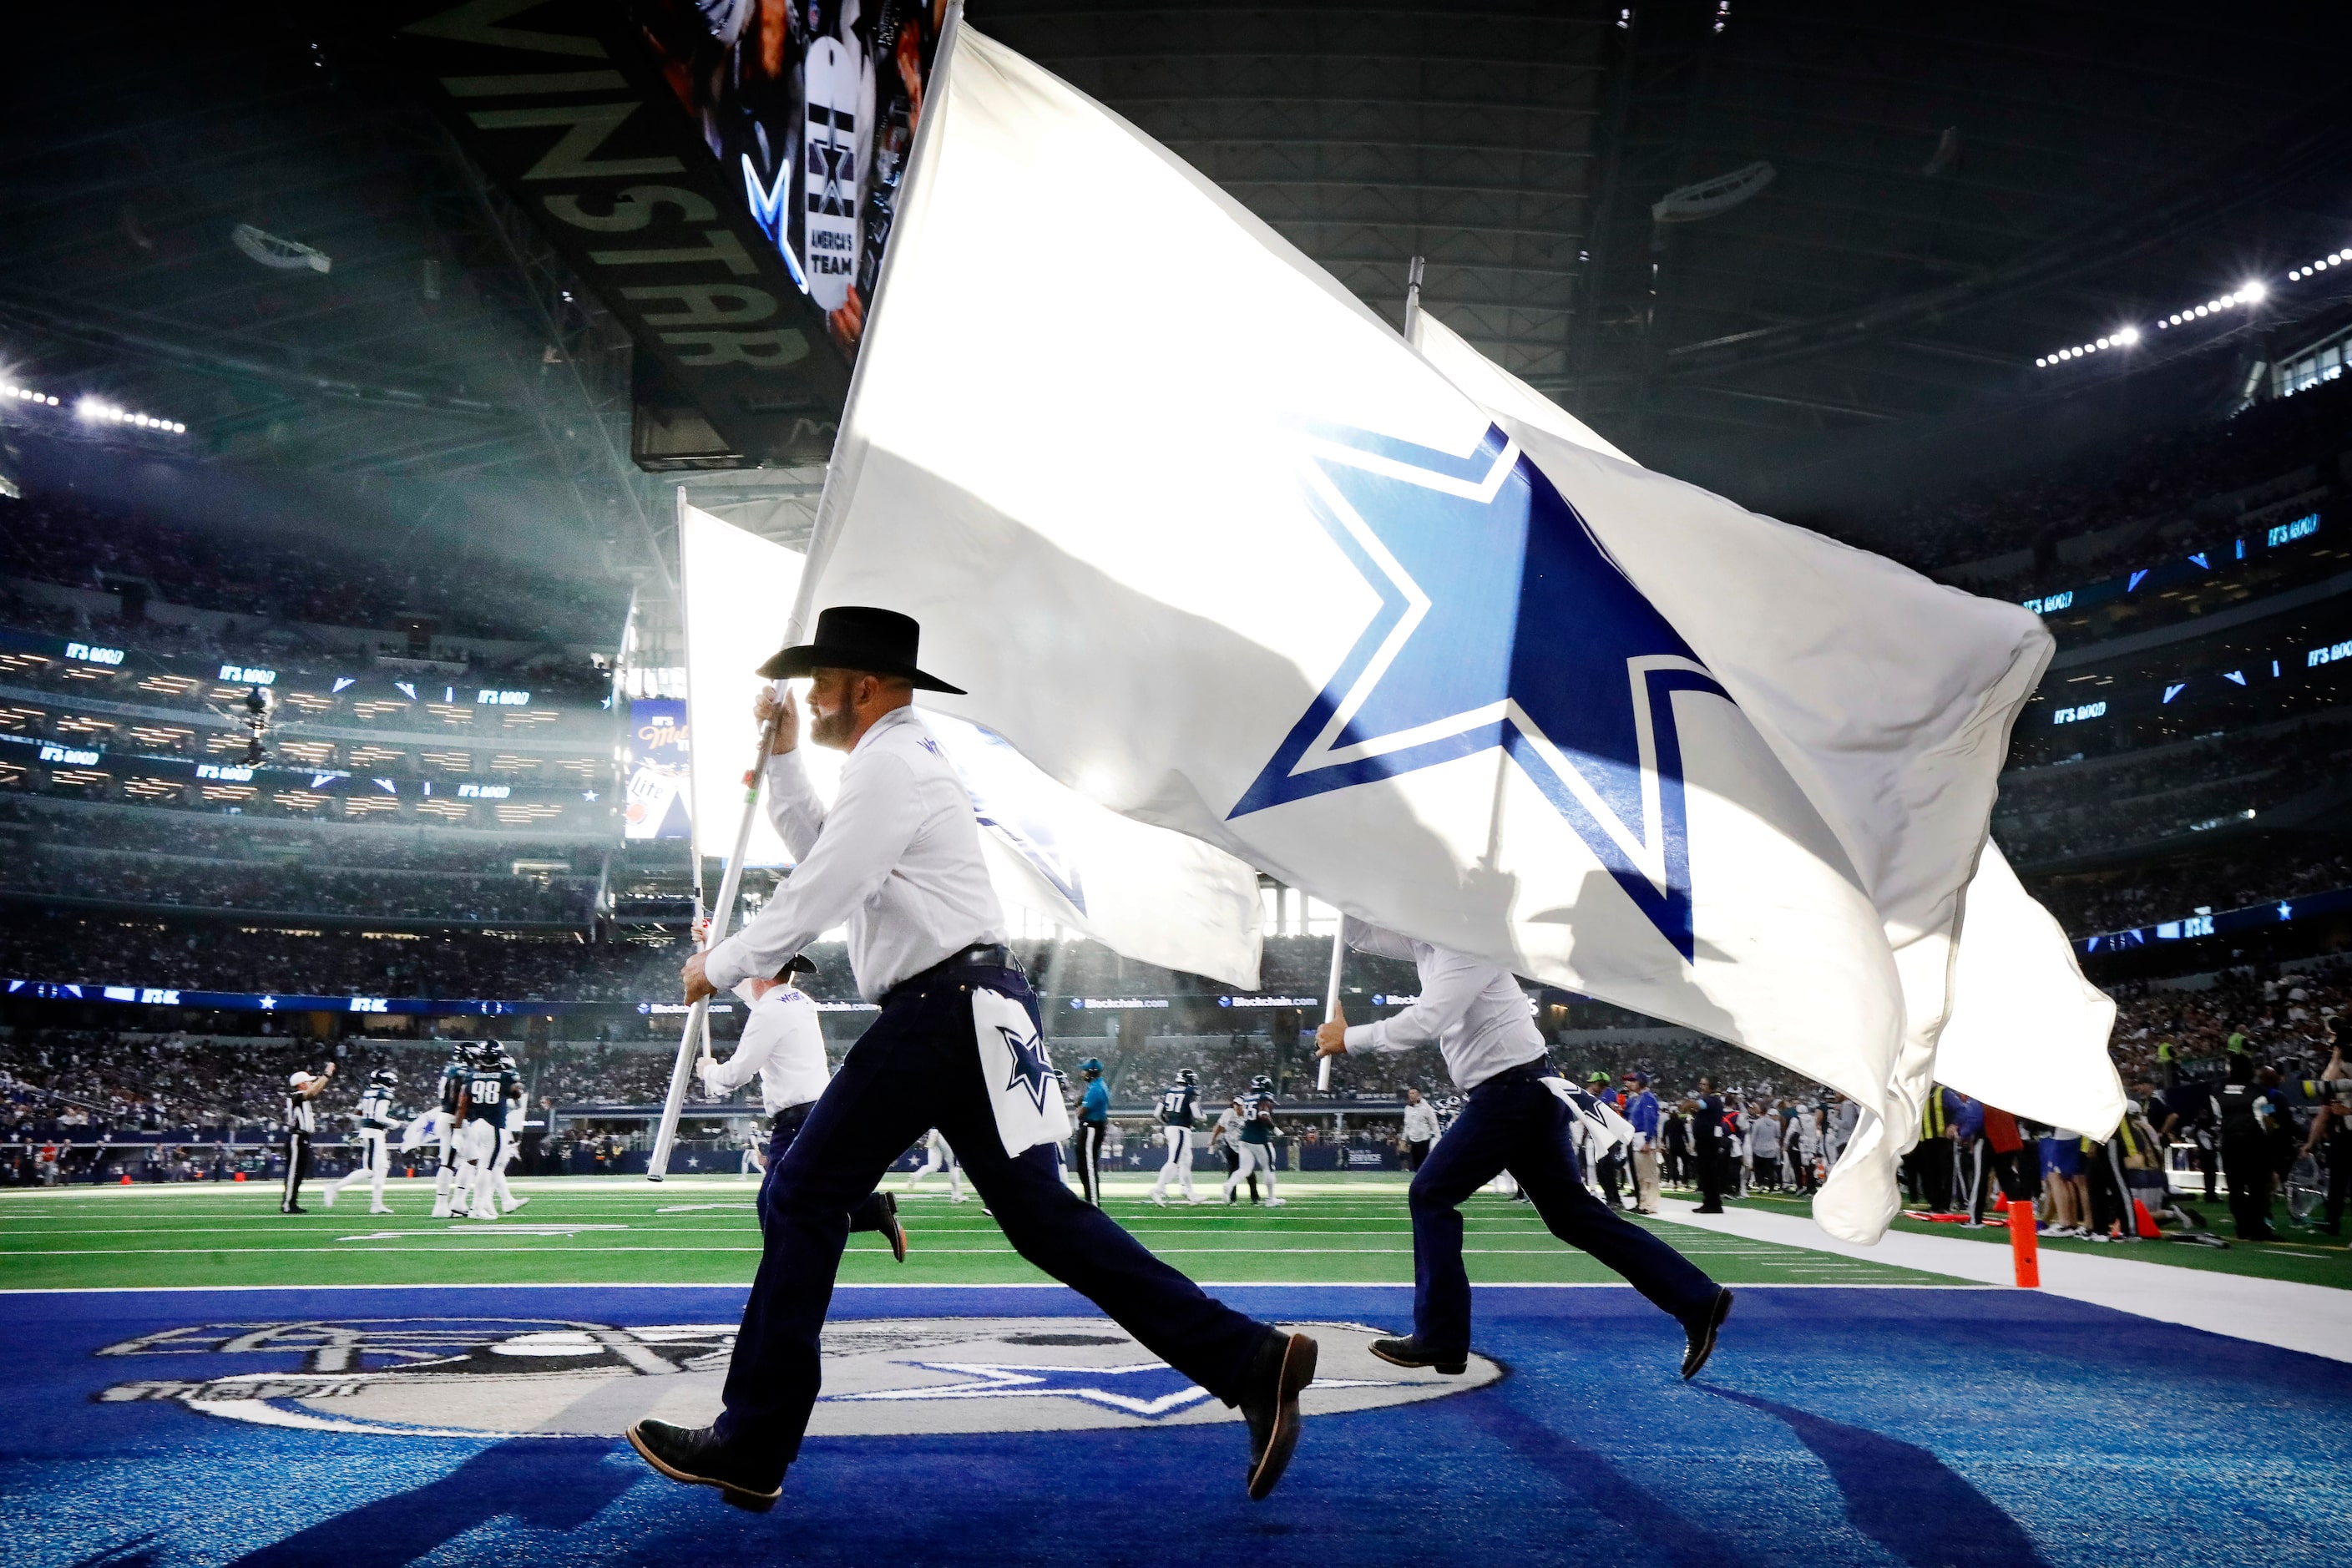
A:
832	712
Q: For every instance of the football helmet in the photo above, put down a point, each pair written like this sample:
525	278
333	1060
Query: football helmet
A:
385	1078
1189	1079
1261	1084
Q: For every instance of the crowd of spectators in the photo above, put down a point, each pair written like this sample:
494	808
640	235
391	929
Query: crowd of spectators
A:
2160	477
133	831
443	576
339	891
2093	903
224	956
2283	1018
2026	793
2056	812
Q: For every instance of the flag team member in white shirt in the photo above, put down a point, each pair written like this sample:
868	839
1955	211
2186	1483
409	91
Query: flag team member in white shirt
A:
376	1132
898	860
302	1092
1519	1117
1176	1108
785	1044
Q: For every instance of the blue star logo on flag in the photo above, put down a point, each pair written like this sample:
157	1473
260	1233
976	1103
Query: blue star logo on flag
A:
1031	1069
1502	623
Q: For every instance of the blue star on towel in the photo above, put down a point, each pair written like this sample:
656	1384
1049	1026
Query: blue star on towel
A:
1031	1069
1502	623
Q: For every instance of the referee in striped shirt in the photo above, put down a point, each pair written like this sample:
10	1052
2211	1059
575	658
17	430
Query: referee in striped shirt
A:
302	1092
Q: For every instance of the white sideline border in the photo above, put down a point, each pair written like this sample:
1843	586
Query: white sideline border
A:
918	1285
2312	1319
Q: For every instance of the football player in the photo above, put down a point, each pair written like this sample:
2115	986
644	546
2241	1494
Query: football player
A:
1176	1103
1254	1143
510	1137
481	1128
938	1156
1225	1138
453	1079
375	1132
1258	1127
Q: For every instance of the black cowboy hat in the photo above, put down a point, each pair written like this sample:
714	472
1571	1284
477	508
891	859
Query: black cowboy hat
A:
860	637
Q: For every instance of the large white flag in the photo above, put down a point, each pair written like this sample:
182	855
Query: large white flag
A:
1209	542
2006	1016
1144	891
2027	1032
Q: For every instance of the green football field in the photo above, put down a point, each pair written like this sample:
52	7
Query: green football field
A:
702	1230
2301	1254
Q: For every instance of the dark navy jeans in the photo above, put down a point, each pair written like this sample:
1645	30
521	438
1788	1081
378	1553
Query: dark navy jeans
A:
870	1210
1512	1122
918	1067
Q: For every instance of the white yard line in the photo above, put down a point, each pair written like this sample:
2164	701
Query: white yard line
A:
2314	1319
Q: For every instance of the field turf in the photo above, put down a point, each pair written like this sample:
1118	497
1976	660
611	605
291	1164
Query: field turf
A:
701	1230
2300	1256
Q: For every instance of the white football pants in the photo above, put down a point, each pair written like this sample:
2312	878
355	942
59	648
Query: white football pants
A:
478	1150
1258	1157
507	1150
1180	1161
374	1163
936	1158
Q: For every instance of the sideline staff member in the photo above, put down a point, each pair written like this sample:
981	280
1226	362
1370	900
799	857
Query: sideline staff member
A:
1094	1123
1420	1128
898	860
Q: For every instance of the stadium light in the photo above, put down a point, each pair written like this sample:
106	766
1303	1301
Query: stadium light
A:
2121	337
97	411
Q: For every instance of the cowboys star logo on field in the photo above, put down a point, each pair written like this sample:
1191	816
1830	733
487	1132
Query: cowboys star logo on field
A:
519	1377
1502	623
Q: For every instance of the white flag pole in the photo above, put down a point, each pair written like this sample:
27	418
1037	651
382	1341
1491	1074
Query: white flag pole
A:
1331	992
696	1038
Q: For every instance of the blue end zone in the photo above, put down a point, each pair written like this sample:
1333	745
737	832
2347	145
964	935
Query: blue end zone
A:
1835	1426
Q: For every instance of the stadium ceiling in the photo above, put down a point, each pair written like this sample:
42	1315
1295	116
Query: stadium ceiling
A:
1955	189
154	165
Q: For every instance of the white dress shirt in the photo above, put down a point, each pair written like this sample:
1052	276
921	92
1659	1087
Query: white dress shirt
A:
782	1044
896	860
1472	1009
1421	1123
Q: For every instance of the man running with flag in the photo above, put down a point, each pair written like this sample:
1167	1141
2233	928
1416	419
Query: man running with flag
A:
897	859
1521	1117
